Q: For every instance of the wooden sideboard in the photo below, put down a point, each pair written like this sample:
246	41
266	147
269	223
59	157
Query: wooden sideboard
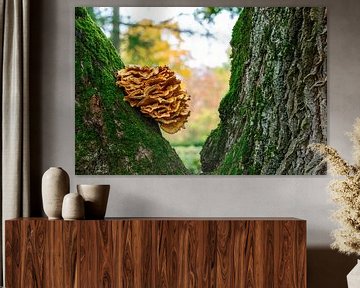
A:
156	252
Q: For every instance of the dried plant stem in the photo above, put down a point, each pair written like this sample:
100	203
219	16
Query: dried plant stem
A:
345	191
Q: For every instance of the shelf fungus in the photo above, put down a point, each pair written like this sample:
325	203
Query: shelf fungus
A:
157	93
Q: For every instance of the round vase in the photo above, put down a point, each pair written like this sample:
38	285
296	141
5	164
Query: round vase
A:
55	185
96	198
73	207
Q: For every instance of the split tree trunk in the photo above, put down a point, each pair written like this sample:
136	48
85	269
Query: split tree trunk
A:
111	138
276	104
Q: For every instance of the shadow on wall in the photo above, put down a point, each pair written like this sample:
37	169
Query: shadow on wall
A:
328	268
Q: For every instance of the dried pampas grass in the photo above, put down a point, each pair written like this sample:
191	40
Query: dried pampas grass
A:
345	191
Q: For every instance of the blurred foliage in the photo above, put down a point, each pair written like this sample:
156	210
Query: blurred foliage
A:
197	129
206	87
103	18
148	43
190	155
144	42
208	14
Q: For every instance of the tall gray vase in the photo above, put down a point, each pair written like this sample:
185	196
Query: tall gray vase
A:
55	185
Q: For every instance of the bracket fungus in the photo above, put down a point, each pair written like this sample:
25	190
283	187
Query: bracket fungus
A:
157	93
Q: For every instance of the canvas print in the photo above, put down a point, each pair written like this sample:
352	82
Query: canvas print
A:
200	90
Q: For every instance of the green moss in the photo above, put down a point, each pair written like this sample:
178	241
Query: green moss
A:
111	138
209	155
210	158
240	42
238	159
240	153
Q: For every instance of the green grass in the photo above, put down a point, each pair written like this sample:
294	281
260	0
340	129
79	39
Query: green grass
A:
190	155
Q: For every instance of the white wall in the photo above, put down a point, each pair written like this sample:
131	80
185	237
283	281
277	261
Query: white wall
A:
297	196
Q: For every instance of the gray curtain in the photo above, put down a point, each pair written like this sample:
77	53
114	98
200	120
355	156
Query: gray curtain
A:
15	172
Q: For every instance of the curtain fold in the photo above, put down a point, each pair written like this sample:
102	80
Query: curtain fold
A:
15	156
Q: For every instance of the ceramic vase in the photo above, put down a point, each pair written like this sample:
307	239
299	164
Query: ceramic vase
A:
73	207
353	278
96	198
55	185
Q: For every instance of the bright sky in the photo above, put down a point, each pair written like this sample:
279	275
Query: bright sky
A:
204	51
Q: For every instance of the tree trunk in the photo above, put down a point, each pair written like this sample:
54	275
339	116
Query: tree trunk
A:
115	32
276	104
111	138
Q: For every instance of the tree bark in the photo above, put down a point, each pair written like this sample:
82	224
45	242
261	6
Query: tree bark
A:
276	104
111	138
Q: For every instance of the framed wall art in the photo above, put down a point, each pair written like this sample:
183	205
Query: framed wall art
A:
200	90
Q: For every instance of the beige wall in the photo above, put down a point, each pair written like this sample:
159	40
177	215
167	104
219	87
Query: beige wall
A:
52	122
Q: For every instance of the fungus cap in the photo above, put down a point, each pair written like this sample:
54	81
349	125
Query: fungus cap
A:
158	94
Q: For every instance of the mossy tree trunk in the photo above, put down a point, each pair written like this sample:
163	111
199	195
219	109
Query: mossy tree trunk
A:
111	137
276	104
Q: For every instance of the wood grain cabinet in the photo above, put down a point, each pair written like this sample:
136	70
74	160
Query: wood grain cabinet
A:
156	252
